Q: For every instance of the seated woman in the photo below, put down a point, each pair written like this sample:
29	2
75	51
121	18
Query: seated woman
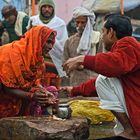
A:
22	71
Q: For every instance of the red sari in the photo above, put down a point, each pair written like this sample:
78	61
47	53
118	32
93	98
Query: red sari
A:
21	65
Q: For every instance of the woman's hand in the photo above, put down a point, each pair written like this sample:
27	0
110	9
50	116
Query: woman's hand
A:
45	99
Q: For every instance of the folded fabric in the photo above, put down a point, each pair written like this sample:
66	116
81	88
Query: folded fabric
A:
91	110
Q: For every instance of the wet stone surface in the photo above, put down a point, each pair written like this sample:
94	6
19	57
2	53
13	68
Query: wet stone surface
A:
103	130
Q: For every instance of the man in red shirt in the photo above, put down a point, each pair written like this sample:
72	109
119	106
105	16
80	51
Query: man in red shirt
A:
118	85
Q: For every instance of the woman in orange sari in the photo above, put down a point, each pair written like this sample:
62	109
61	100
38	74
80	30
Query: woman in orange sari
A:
22	71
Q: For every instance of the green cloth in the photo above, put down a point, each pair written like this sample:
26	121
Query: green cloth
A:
52	69
46	2
11	28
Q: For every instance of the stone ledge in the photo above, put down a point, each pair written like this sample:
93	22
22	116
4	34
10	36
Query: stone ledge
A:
43	128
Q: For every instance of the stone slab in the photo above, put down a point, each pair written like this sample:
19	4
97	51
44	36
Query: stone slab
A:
43	128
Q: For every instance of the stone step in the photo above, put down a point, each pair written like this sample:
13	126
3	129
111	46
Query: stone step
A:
43	128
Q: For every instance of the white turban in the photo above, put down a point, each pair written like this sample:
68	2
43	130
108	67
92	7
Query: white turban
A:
81	11
85	41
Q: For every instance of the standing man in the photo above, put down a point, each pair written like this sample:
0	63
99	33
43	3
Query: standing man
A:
48	18
118	83
14	24
84	42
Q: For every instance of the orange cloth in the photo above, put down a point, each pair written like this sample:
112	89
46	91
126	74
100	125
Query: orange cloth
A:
52	79
21	64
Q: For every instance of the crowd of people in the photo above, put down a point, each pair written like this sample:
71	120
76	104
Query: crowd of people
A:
36	54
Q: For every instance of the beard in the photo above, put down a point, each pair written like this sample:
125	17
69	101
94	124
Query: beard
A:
47	14
80	30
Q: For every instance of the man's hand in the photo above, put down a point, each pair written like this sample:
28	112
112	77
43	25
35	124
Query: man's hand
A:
74	63
67	89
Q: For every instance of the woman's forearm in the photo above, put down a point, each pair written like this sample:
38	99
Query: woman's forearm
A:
17	92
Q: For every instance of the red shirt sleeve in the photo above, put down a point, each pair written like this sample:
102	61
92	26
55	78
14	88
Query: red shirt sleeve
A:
118	62
85	89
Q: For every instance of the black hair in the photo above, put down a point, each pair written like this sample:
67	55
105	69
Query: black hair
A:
109	15
8	10
120	24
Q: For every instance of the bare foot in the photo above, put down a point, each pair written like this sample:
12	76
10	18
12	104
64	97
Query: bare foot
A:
131	136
